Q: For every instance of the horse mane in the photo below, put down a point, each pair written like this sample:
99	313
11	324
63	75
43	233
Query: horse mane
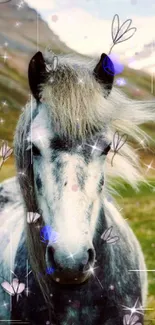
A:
71	95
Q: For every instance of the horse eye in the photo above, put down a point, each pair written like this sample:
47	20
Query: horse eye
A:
106	150
35	151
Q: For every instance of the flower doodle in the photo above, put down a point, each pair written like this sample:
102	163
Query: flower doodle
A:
5	152
53	65
118	143
32	217
15	288
121	33
106	236
131	320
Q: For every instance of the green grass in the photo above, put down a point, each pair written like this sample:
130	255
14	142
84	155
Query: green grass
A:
14	90
139	209
8	169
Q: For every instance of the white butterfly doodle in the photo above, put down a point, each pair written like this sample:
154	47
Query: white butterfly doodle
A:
131	320
106	236
118	143
53	65
32	217
15	288
5	152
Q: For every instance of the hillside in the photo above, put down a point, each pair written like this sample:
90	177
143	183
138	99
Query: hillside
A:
21	34
19	31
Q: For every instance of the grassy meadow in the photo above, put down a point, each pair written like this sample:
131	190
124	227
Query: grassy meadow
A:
138	208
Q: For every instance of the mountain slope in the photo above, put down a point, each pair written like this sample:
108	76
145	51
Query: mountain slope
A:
19	31
22	34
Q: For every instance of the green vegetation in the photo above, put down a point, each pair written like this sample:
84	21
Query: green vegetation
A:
139	210
13	91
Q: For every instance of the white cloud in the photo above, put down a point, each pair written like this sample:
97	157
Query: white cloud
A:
88	35
42	4
81	31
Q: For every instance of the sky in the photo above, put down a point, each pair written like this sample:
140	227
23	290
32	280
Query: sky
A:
85	26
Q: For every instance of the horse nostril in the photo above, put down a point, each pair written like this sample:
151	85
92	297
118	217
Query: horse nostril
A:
51	259
91	256
50	251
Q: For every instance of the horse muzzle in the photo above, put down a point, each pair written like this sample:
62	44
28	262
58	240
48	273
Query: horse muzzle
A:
71	268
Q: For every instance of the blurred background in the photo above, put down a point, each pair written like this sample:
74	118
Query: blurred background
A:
84	28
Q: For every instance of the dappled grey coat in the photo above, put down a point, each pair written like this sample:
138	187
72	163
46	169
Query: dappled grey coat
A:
61	176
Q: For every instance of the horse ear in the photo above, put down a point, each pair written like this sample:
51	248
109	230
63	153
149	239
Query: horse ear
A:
36	74
104	72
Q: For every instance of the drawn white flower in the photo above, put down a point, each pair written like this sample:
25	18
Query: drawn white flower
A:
106	236
121	33
32	217
118	143
52	66
131	320
5	152
14	288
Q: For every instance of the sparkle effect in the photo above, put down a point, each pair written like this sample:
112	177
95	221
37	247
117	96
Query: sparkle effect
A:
18	24
71	256
94	147
136	309
22	173
149	167
80	81
40	136
5	304
91	270
2	120
4	103
120	82
5	57
20	4
27	292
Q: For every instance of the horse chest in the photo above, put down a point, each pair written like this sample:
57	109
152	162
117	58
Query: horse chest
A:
70	307
91	304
